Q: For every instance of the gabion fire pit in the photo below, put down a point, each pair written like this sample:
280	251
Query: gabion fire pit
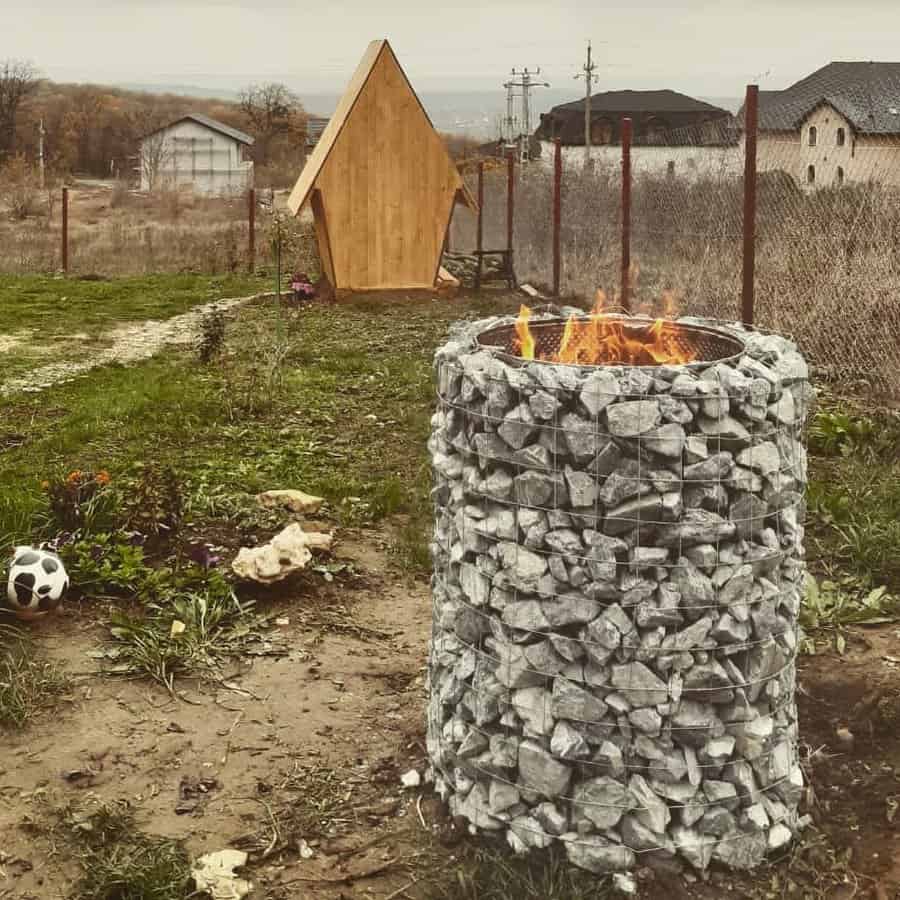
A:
617	577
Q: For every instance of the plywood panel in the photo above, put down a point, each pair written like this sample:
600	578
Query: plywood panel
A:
387	185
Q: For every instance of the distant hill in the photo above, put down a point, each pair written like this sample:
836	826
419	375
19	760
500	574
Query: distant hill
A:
182	90
473	113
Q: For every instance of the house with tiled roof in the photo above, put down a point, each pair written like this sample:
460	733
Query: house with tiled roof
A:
672	133
838	125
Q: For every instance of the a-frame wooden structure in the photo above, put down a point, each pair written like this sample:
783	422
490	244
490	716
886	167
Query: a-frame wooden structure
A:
380	183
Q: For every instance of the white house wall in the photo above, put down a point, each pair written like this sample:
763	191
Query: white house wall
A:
689	162
196	156
862	158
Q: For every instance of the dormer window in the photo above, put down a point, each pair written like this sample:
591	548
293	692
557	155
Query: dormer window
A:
813	135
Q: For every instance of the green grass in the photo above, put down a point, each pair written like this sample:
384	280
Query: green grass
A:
57	307
854	494
344	414
486	874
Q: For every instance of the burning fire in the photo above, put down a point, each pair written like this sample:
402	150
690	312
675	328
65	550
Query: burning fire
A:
601	339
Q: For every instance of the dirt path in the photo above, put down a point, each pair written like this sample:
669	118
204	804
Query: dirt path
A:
130	343
333	717
307	740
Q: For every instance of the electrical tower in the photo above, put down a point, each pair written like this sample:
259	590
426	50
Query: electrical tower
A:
587	73
524	80
510	121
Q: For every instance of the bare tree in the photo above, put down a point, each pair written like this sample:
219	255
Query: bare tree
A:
18	80
271	110
153	145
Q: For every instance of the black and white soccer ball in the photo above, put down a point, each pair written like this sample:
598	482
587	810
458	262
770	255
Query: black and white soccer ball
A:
37	582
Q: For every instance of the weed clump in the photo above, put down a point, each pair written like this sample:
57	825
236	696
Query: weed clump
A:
28	683
212	336
122	863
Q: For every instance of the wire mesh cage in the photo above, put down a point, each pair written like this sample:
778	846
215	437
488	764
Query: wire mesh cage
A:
617	577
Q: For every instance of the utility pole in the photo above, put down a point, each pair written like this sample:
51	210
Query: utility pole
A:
41	152
526	83
589	79
509	123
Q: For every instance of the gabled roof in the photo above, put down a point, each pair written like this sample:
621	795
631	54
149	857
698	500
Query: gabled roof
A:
662	101
213	124
330	135
863	92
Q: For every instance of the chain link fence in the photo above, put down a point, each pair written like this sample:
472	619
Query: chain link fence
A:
827	233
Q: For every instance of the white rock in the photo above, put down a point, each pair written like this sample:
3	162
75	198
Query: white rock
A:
214	875
292	500
779	836
411	779
599	390
289	551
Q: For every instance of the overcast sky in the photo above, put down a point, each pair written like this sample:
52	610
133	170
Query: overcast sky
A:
701	48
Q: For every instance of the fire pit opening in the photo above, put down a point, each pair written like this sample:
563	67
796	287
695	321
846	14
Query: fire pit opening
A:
603	340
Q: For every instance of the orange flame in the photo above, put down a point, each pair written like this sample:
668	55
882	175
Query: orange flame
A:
601	339
526	340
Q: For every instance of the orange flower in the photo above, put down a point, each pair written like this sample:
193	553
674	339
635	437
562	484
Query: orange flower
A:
102	477
74	476
45	485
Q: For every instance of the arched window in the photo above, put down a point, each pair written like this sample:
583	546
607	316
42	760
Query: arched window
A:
841	137
839	176
813	135
810	174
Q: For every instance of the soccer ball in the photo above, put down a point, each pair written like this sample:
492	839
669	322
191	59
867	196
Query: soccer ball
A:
37	582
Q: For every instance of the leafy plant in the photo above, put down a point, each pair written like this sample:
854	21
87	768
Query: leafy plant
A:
833	605
154	505
106	566
82	502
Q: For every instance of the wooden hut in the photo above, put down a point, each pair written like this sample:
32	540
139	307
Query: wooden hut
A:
380	183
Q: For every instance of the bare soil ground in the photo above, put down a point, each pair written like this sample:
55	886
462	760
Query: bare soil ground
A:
306	739
339	698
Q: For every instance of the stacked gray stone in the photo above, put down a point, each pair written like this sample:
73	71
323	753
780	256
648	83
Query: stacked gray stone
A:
617	577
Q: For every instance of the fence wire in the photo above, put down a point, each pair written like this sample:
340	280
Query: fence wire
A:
827	232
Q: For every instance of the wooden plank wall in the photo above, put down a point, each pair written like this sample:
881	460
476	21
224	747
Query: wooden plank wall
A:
387	188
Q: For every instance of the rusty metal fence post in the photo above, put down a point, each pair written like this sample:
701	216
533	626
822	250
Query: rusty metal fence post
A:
65	230
751	109
251	231
557	203
479	231
510	212
626	214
